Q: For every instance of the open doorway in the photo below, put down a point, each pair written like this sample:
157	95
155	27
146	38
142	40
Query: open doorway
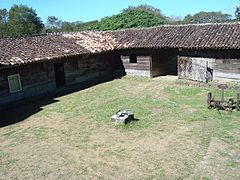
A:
59	74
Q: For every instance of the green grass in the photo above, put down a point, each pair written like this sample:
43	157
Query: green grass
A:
176	136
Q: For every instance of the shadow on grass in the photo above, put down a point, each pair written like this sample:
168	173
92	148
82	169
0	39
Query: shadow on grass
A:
135	119
131	121
21	110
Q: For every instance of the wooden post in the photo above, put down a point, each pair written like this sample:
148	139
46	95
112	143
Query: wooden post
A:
230	105
209	100
238	102
222	87
206	71
151	66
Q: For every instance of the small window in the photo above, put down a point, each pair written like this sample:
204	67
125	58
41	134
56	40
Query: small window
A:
14	83
133	59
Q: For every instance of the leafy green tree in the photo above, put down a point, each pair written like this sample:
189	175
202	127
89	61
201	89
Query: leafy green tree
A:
83	26
67	26
207	17
54	24
23	20
132	17
3	21
145	7
3	15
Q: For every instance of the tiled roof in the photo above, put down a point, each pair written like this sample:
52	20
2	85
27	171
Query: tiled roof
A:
29	49
197	36
93	41
22	50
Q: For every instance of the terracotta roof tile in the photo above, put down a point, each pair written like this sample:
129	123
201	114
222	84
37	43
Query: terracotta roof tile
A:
210	36
28	49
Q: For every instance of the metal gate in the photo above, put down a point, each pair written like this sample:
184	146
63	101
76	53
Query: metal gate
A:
187	69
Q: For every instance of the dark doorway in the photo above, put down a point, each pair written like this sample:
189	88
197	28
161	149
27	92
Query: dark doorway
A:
164	63
59	74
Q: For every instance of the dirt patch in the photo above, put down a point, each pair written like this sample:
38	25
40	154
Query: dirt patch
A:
222	161
167	78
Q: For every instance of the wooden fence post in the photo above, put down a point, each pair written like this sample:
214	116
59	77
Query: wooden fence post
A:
206	71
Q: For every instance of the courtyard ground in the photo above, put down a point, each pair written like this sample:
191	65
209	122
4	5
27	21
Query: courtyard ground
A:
72	137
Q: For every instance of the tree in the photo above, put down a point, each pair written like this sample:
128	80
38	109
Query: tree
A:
83	26
3	21
237	13
174	20
3	16
54	24
145	7
132	17
207	17
23	20
67	26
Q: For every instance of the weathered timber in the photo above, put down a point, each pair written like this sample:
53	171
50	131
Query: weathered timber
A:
238	102
222	104
38	79
195	68
140	68
209	100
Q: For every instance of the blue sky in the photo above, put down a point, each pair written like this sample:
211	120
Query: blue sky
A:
87	10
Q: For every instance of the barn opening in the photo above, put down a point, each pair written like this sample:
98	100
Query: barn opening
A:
59	74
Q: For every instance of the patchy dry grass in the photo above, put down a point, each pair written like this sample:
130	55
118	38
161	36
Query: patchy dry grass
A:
176	136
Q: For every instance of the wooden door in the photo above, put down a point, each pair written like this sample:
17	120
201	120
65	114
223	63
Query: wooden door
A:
59	74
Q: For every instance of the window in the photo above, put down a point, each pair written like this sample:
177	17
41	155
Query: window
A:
14	83
133	59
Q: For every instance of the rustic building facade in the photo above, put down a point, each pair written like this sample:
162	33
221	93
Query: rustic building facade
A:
47	78
39	65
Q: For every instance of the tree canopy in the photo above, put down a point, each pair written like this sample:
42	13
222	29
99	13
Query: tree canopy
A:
132	17
81	26
20	20
23	20
237	13
145	7
53	24
207	17
3	21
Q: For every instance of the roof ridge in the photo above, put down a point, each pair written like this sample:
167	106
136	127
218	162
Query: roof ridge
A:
176	25
71	32
41	34
22	36
118	30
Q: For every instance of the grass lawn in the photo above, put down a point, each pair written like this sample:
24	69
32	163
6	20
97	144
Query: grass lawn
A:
176	136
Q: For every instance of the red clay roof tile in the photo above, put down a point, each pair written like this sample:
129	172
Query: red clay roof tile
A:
28	49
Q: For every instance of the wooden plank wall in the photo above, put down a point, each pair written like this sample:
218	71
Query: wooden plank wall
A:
36	79
223	69
141	68
80	69
39	78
